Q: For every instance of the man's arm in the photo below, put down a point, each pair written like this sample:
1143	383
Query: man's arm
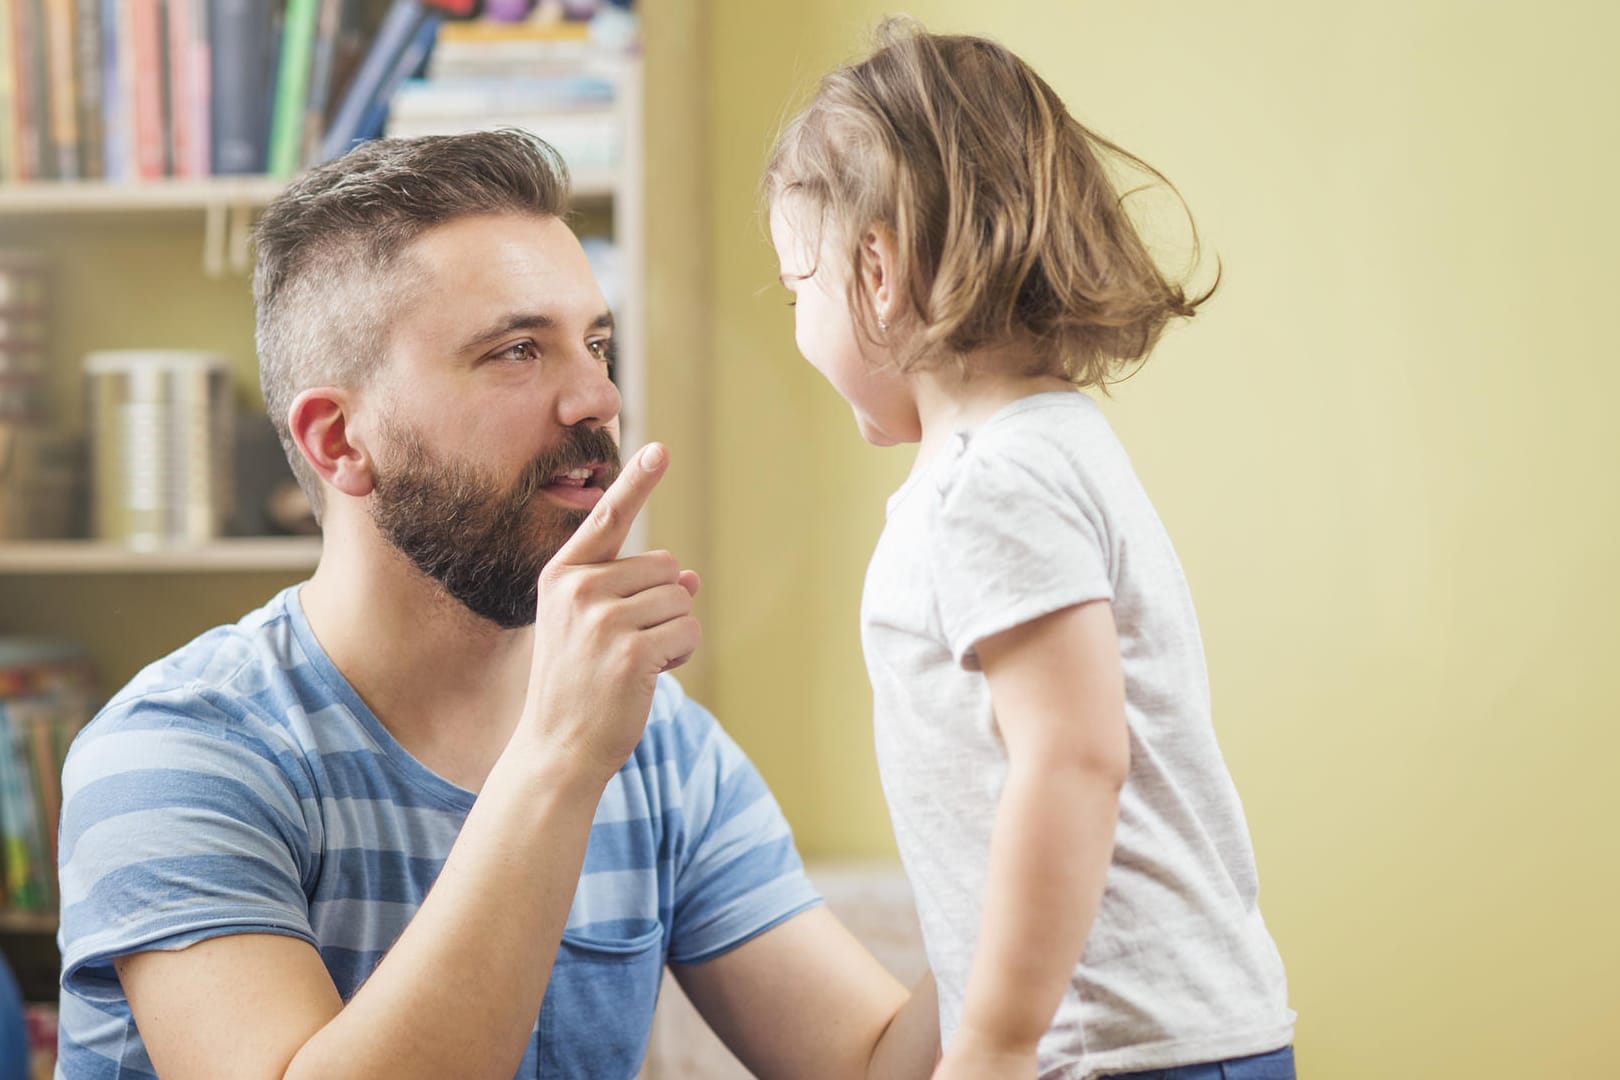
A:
805	1001
458	993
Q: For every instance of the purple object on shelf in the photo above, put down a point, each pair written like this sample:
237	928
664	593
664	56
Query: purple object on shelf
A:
508	10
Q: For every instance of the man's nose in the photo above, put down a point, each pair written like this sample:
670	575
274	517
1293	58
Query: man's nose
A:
590	396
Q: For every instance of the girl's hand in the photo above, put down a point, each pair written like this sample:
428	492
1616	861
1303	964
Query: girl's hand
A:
968	1059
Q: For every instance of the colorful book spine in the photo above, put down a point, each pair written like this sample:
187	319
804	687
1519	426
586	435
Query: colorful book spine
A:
323	60
62	95
8	118
88	96
26	887
180	95
146	37
292	86
240	62
377	78
45	694
202	89
114	125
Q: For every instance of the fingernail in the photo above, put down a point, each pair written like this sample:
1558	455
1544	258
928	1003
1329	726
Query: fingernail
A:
653	457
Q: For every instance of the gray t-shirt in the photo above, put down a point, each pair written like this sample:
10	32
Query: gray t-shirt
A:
1036	510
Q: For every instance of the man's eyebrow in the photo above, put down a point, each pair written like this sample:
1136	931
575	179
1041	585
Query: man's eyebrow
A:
527	321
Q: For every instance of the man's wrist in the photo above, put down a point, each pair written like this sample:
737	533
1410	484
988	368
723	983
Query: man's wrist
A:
539	764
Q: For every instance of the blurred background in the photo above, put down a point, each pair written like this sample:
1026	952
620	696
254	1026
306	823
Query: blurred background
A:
1385	450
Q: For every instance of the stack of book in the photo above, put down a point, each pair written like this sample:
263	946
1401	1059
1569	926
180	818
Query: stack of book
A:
23	293
135	90
46	693
549	77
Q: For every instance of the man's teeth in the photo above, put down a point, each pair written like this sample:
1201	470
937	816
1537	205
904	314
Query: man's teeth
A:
573	474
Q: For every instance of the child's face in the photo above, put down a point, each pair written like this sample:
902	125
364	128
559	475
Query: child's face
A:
824	330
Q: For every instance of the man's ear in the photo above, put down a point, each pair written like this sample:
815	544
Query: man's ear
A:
880	259
319	422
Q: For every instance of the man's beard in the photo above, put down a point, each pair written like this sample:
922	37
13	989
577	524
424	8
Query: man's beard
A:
485	546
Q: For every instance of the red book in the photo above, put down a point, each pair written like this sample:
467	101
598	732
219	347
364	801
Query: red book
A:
146	48
181	91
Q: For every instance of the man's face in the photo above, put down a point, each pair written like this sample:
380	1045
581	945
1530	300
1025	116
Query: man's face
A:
499	430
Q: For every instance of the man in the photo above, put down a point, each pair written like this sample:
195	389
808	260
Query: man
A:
438	812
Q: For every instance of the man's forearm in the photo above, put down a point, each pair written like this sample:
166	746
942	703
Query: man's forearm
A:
909	1046
458	993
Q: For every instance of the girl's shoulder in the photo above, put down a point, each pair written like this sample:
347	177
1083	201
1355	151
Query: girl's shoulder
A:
1060	430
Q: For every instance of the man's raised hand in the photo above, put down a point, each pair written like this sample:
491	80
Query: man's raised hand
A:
605	627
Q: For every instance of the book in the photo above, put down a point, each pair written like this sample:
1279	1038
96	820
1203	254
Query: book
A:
145	28
292	86
322	65
118	37
200	49
401	48
179	93
61	95
88	93
29	89
45	695
8	119
240	69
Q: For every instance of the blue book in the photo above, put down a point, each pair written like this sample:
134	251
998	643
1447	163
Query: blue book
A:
401	46
113	133
241	73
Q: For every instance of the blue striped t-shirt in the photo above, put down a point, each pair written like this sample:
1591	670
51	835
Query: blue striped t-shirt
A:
241	786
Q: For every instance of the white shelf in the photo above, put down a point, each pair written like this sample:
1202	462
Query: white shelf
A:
105	197
224	192
234	555
27	922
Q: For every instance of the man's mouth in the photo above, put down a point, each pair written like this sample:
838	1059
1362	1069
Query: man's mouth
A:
580	486
580	476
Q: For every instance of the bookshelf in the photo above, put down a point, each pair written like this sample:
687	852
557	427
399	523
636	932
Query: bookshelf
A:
154	262
227	555
592	187
165	261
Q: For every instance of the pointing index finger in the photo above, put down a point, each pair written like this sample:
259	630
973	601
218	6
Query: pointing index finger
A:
601	535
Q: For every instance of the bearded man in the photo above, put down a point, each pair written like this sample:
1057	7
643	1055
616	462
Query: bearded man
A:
439	811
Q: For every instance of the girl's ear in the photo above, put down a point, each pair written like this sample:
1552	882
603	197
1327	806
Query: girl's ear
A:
880	259
319	422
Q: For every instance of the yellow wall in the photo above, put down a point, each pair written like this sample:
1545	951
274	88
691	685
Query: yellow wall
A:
1383	452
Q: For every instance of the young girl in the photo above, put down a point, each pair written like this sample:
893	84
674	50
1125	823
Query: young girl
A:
962	268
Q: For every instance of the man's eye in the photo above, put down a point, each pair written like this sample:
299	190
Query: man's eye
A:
602	349
523	352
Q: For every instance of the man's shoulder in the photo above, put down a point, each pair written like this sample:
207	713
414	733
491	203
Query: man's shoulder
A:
680	731
235	674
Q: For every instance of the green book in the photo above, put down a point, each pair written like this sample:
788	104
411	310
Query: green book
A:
292	86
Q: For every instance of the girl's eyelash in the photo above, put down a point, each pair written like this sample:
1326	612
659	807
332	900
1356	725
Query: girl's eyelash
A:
793	303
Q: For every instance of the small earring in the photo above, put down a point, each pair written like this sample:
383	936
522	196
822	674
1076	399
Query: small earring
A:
883	324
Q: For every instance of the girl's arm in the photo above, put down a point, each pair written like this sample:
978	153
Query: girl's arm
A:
1059	701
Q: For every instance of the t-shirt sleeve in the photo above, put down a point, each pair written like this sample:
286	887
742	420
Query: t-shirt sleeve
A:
739	873
178	825
1011	544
